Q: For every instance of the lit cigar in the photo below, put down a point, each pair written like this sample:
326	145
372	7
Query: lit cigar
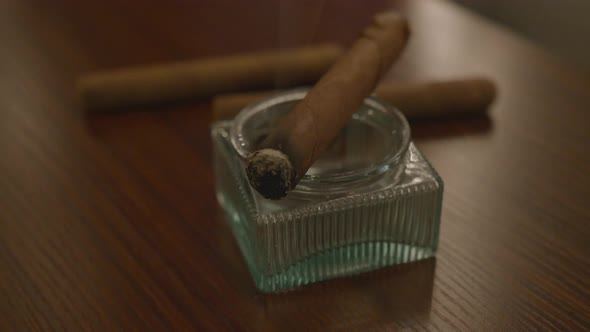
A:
301	136
414	99
205	77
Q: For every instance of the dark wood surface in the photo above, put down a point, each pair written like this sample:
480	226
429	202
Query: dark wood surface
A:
110	222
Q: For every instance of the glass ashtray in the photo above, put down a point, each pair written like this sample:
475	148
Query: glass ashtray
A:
370	201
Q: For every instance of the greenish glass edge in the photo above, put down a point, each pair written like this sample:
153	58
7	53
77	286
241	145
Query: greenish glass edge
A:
440	193
246	243
288	279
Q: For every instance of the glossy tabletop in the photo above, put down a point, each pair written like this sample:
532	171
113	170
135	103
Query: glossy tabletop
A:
110	222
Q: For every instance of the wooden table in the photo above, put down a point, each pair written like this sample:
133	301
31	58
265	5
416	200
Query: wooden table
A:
110	222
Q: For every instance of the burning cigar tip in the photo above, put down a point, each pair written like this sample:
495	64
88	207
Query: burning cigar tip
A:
270	172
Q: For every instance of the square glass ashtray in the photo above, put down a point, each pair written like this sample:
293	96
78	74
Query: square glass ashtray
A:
370	201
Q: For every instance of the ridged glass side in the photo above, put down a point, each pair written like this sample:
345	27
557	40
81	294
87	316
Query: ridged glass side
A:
312	240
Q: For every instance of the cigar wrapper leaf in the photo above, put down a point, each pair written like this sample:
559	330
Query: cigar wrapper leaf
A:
204	78
301	136
416	100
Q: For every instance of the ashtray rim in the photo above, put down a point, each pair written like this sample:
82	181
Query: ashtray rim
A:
389	161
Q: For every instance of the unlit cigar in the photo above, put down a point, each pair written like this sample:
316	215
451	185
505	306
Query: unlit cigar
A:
205	77
414	99
303	134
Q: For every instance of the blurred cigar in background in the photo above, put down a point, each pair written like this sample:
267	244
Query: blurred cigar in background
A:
226	78
204	78
414	99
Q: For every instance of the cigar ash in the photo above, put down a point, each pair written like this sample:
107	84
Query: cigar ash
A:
270	172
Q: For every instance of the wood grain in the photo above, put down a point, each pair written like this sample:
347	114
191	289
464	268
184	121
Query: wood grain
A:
110	222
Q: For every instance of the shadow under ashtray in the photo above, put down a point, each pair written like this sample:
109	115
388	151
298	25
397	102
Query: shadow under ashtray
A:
394	294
